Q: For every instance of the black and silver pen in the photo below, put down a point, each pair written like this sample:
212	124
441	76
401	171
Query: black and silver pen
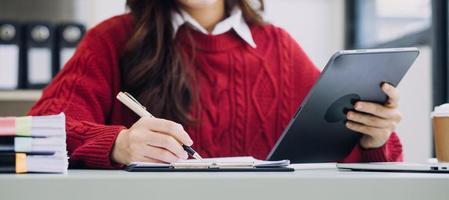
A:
192	152
140	110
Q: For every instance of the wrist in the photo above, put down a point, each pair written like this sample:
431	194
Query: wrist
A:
118	154
370	142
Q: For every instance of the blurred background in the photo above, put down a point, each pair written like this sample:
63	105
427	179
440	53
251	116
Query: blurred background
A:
322	27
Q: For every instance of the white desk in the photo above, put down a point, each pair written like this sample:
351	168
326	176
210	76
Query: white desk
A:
307	184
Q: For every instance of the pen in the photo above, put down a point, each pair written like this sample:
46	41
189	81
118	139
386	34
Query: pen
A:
140	110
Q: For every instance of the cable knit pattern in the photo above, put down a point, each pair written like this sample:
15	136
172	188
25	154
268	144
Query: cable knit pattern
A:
240	103
286	64
247	96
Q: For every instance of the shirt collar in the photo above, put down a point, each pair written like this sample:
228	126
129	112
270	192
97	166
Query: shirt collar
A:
235	21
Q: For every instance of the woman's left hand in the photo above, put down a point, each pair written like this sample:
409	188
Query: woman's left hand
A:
377	122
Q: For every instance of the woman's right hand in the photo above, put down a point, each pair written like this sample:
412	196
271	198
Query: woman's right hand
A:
151	140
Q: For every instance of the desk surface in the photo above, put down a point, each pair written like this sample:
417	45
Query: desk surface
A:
303	184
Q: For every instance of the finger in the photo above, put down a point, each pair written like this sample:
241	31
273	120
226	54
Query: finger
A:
367	130
167	142
393	95
145	159
159	154
371	120
376	110
168	127
151	160
137	155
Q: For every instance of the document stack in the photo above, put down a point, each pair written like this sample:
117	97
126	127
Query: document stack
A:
33	144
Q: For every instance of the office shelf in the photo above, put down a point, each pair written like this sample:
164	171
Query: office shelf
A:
20	95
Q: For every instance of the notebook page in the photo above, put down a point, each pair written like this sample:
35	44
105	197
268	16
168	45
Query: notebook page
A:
280	163
245	159
149	164
194	161
223	161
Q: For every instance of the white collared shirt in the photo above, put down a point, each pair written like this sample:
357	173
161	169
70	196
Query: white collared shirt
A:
234	21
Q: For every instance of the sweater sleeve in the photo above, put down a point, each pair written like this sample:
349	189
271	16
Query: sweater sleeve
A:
391	151
309	74
83	91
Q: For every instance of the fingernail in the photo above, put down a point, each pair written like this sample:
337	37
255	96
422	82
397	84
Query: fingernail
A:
358	106
348	124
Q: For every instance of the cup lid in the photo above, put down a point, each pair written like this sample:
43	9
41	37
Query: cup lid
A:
440	111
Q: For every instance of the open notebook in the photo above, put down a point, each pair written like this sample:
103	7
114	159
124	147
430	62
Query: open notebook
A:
213	164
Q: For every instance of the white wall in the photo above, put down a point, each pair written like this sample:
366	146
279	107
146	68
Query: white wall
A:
318	25
415	129
91	12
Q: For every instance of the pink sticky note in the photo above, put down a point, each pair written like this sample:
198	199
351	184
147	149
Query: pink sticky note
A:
7	126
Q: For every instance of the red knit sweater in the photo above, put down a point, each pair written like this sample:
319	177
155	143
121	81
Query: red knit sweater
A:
247	95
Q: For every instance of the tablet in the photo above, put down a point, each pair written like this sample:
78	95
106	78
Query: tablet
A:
317	132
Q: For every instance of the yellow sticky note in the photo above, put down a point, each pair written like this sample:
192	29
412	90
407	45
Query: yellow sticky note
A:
21	163
23	126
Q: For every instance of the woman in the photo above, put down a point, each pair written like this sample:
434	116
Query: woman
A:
215	67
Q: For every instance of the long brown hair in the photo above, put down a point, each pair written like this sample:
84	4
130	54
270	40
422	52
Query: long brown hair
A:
152	65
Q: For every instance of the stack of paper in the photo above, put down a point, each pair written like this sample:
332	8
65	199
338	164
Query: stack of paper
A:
33	144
